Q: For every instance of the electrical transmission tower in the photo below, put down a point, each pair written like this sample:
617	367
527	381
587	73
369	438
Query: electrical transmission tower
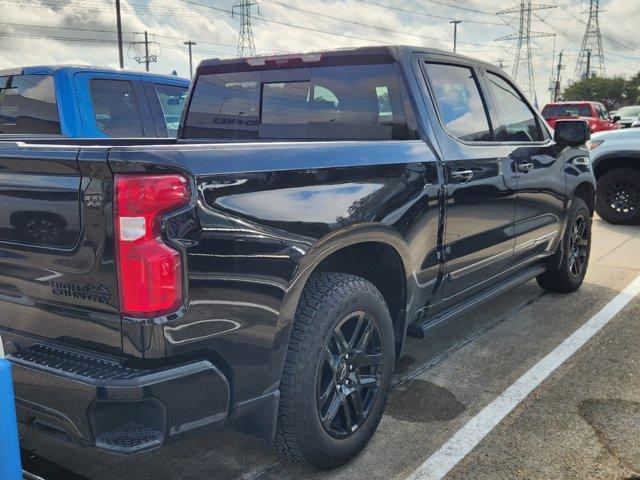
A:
246	45
522	70
591	56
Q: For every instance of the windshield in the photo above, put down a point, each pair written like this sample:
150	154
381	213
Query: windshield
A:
568	110
633	111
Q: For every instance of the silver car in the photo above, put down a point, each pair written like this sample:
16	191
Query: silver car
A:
629	116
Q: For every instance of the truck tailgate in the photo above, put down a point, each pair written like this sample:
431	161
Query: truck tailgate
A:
57	275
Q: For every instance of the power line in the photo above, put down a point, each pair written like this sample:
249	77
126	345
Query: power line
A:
431	15
354	22
459	7
52	37
269	20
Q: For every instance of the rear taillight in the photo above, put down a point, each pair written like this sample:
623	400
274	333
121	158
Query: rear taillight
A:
149	270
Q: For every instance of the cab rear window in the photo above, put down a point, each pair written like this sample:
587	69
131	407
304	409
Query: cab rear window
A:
28	105
360	102
568	110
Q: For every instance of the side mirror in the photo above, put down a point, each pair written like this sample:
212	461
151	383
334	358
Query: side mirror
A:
615	119
571	133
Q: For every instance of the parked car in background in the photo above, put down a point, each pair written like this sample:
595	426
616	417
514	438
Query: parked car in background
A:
262	271
615	157
592	112
628	116
87	102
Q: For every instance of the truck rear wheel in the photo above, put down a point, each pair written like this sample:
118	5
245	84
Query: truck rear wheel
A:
337	371
618	196
576	249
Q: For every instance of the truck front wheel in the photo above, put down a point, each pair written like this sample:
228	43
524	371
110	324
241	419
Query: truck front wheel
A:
576	248
618	196
337	371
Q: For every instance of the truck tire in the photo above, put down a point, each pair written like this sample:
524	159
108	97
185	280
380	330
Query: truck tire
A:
337	371
576	245
618	196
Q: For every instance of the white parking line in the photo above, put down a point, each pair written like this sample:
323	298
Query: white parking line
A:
472	433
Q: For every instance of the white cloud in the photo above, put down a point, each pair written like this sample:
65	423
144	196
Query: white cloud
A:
171	22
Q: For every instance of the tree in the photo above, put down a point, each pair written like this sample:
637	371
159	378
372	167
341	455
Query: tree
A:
613	92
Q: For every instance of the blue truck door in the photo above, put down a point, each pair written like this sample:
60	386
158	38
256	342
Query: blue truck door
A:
113	105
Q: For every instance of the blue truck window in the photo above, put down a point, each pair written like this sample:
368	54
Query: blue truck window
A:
28	105
115	108
172	98
360	102
518	121
459	101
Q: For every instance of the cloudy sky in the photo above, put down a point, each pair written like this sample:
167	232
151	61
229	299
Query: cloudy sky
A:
83	31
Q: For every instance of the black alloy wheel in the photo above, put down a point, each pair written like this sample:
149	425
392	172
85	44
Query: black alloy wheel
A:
349	375
618	196
622	197
579	246
337	373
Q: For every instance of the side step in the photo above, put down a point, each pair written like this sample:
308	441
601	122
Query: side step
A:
421	328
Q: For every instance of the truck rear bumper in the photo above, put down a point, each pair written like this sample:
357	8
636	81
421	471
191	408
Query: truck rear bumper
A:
96	401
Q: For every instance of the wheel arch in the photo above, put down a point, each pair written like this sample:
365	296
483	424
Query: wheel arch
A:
587	192
374	252
612	161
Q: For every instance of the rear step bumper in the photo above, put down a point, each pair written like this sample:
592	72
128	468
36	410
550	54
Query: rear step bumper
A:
94	401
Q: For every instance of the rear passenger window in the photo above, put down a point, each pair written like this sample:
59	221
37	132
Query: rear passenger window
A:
115	108
519	124
172	98
28	105
459	101
360	102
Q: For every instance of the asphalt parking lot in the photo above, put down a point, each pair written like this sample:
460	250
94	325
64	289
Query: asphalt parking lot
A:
581	422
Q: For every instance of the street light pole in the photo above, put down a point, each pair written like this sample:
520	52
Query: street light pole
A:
455	33
119	27
190	44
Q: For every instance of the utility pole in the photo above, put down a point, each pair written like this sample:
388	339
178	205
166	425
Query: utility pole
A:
455	33
146	51
556	86
591	63
145	57
190	44
522	70
119	28
246	45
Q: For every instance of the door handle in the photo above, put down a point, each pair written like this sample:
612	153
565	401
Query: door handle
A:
525	167
461	176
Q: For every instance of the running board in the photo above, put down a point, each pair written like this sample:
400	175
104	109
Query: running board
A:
421	328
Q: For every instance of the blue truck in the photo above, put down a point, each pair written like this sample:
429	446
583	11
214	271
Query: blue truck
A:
89	102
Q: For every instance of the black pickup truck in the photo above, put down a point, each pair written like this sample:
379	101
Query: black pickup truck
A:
263	270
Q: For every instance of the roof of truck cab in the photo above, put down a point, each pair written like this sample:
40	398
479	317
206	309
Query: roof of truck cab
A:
72	69
393	51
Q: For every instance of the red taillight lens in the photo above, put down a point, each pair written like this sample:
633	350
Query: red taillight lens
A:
149	270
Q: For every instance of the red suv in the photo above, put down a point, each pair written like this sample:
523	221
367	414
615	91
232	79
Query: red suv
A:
593	112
